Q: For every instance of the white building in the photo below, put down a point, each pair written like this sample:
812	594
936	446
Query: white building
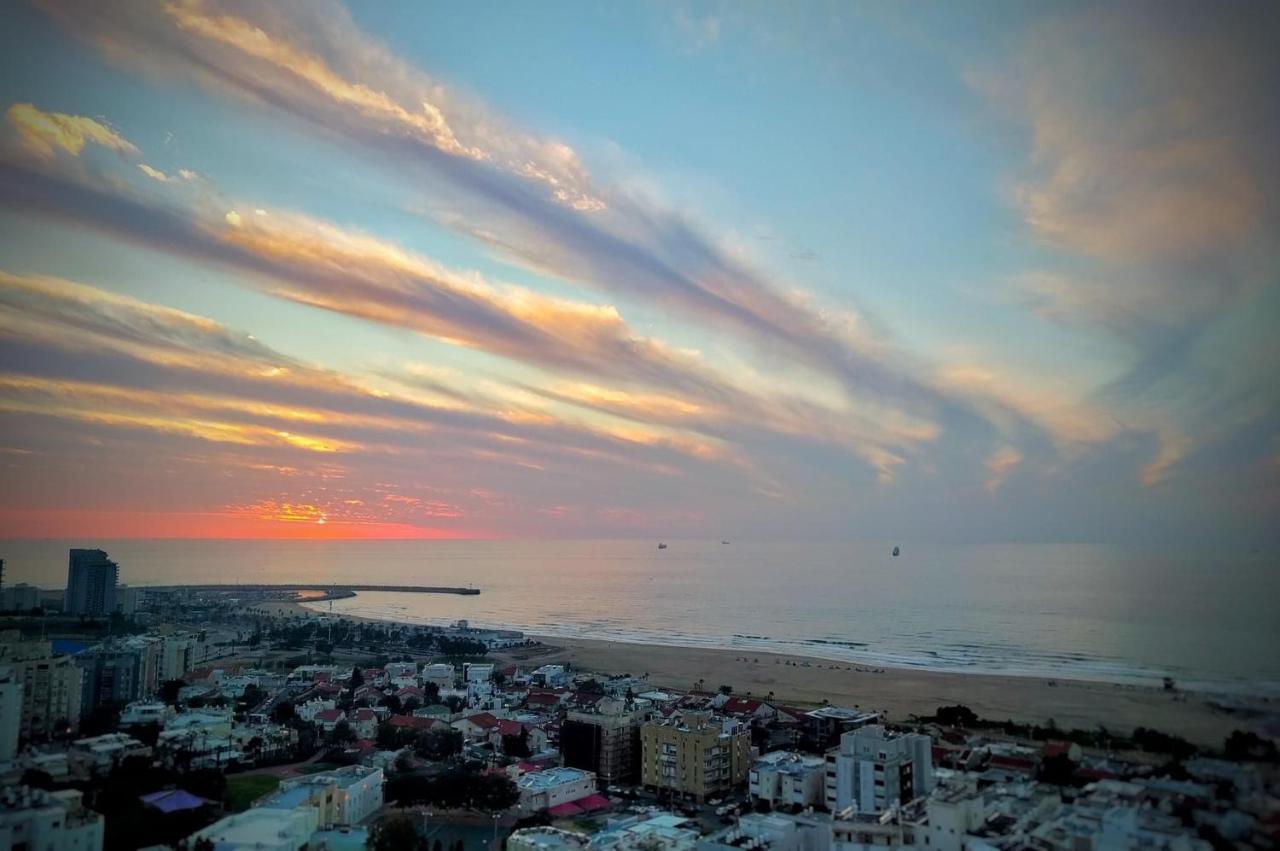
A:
477	672
786	778
772	832
345	796
439	674
48	821
645	833
541	790
954	812
308	711
10	713
19	598
547	839
551	676
401	674
261	830
97	755
142	712
873	769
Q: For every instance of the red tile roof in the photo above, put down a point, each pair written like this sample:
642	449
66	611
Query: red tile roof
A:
507	727
484	720
413	721
741	706
328	715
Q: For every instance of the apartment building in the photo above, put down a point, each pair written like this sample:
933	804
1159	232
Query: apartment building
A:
10	712
785	778
50	685
605	739
695	754
874	769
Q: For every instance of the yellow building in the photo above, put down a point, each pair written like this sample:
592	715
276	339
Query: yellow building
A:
694	754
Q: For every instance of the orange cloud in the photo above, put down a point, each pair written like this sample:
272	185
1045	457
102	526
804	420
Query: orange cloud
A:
43	133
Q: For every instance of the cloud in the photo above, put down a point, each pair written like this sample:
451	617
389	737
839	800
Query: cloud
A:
43	133
310	60
1152	175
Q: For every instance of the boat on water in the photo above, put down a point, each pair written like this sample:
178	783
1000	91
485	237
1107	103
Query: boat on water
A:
895	552
724	542
662	546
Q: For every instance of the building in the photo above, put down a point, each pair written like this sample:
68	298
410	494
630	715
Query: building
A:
97	755
19	598
91	584
605	739
954	812
144	712
48	821
10	712
771	832
647	833
261	829
857	831
826	724
111	674
542	790
477	672
344	796
694	754
547	839
874	769
438	674
50	686
784	778
127	600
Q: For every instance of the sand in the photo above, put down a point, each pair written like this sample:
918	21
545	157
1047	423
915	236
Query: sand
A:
901	693
896	692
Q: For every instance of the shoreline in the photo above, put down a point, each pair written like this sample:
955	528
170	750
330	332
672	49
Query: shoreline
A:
899	693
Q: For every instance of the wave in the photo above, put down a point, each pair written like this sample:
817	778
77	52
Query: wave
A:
951	657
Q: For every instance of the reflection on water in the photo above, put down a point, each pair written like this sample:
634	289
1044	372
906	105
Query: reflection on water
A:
1069	610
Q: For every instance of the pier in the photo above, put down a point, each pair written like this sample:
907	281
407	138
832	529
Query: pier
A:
327	591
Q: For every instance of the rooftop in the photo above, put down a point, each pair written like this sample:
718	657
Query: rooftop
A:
552	777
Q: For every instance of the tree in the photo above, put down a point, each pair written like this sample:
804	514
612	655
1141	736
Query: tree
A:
1058	770
283	712
396	834
438	744
169	690
516	746
958	715
341	734
1244	746
726	690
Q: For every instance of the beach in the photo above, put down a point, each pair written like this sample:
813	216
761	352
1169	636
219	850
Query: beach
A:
899	693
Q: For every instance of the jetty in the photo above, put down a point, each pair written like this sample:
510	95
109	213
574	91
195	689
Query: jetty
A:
325	590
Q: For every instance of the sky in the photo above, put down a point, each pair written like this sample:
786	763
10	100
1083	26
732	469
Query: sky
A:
956	272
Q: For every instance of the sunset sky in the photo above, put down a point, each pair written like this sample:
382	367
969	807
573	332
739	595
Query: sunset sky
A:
971	272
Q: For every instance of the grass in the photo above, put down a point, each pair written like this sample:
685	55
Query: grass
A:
243	791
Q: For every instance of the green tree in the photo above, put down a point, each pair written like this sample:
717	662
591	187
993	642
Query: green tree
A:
396	834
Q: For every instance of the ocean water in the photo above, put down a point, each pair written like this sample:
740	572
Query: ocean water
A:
1211	621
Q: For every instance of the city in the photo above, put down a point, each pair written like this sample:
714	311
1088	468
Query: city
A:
137	718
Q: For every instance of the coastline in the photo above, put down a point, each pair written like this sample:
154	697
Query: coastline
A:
899	693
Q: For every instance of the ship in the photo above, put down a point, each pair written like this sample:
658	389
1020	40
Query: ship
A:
895	552
662	546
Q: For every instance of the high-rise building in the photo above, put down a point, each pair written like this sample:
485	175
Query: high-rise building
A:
605	740
695	754
50	685
873	769
91	583
10	712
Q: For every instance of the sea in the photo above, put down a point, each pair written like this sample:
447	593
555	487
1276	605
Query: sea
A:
1072	611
